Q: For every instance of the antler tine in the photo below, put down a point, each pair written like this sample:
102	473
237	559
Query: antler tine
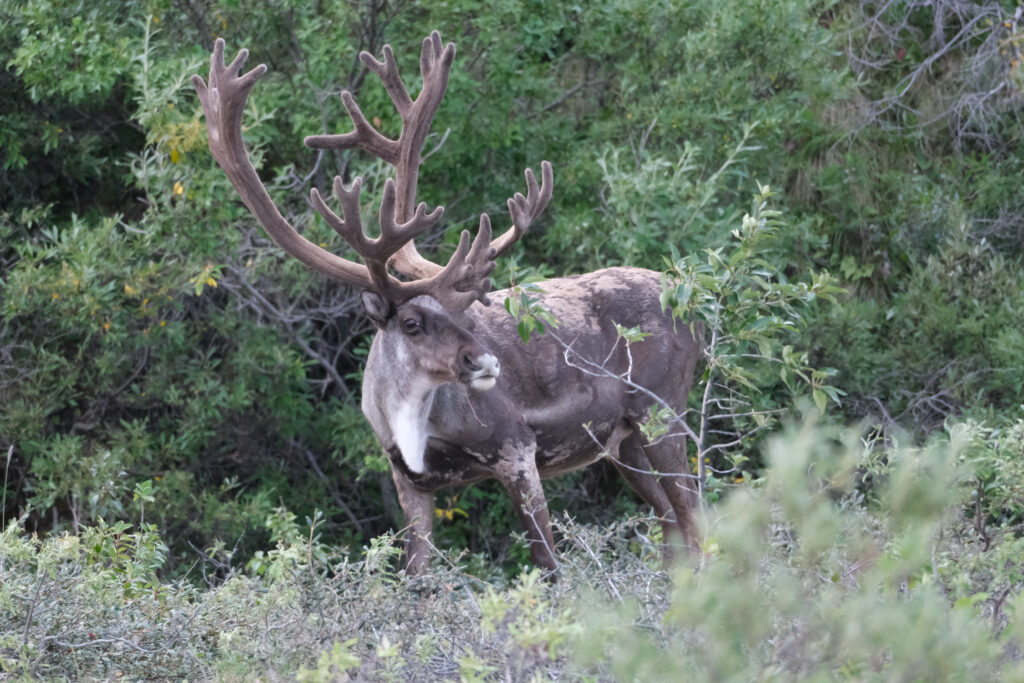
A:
364	136
430	52
481	260
351	226
223	100
388	73
525	209
466	277
435	66
401	233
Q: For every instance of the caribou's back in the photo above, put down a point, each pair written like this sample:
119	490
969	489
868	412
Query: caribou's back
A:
572	384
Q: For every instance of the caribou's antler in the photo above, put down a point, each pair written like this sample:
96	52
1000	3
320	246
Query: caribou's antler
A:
405	153
524	209
458	284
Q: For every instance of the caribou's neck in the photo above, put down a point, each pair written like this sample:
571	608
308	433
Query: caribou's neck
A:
408	415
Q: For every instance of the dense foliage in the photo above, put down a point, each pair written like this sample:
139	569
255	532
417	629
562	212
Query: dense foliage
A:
173	389
800	581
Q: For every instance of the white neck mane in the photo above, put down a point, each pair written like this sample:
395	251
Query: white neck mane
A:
408	421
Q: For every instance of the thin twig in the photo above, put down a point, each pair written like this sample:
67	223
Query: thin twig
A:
335	495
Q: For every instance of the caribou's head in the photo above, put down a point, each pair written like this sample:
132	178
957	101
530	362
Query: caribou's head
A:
429	343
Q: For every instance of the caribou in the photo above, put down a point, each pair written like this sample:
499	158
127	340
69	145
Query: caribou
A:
452	392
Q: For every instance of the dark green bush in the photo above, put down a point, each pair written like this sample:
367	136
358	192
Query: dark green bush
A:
947	343
150	333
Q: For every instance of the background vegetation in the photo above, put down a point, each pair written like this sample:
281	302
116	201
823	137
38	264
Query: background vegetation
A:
190	489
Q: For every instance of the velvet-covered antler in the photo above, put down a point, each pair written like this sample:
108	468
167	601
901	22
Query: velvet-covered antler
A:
457	285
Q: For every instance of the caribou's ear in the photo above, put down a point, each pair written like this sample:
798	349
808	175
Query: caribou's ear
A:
377	307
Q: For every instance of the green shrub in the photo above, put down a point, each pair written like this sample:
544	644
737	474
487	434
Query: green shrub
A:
753	317
802	577
947	343
995	458
802	582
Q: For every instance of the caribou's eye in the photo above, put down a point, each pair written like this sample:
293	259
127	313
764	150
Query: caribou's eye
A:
411	326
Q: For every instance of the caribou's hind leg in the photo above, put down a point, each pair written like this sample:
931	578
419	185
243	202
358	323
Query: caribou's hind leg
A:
624	450
635	468
671	495
668	456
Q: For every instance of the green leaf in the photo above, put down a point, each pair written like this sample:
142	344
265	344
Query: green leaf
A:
683	293
144	491
969	601
524	330
820	399
630	334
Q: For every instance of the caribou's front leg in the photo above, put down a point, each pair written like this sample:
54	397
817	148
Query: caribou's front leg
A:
418	507
521	479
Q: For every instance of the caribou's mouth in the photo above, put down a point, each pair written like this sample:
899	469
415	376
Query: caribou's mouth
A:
483	383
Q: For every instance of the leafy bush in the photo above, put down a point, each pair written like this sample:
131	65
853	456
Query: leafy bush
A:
130	349
803	582
957	321
995	458
801	577
752	315
148	331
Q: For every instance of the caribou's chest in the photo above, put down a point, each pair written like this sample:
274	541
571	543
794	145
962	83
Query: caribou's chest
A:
444	465
558	450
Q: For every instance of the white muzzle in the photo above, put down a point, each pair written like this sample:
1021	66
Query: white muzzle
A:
487	376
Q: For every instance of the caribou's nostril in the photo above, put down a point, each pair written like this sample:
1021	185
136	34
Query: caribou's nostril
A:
469	363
